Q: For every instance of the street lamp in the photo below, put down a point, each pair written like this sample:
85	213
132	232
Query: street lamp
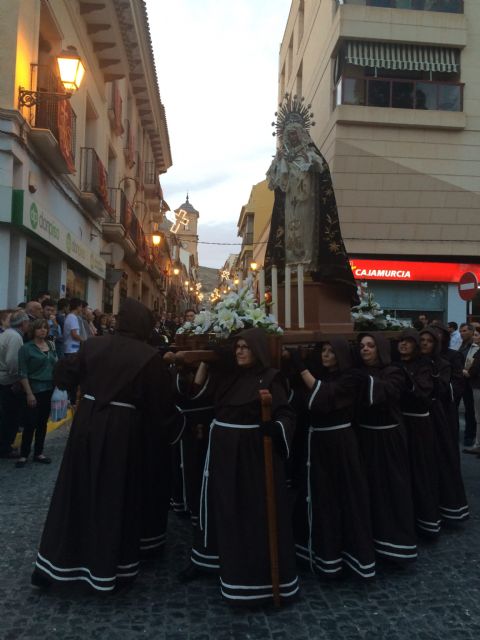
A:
156	239
71	70
253	266
176	271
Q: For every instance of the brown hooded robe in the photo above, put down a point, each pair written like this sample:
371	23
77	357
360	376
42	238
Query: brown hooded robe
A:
453	502
384	446
232	537
415	404
112	492
338	526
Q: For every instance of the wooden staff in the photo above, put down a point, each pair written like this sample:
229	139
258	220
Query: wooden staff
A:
266	403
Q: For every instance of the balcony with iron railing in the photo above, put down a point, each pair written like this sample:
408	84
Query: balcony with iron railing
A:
52	121
94	184
247	238
400	93
123	226
444	6
150	180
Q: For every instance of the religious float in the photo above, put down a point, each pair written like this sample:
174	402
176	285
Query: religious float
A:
307	270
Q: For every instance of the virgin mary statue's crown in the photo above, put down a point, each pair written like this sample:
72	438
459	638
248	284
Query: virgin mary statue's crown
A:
292	110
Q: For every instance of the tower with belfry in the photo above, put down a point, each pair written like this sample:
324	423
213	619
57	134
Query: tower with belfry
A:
186	223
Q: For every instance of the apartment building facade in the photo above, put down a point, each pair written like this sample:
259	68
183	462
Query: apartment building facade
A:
79	174
253	226
395	92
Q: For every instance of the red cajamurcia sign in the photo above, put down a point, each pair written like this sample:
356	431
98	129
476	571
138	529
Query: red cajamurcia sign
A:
364	269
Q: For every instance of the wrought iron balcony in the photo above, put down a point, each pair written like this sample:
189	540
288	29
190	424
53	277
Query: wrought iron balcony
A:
123	227
53	121
94	184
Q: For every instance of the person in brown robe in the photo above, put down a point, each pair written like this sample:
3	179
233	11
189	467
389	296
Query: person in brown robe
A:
112	493
384	446
232	537
453	502
334	530
415	404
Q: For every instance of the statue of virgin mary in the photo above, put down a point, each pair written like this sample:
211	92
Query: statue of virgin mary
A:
305	228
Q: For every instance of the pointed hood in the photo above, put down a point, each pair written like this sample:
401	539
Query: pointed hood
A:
258	342
443	333
410	334
383	346
437	337
343	353
135	320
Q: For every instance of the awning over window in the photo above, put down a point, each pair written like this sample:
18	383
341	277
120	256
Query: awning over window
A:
411	57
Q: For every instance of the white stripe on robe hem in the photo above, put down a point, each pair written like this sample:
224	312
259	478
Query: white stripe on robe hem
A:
258	596
261	586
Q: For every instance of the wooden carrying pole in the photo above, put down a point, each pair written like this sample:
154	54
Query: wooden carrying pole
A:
266	404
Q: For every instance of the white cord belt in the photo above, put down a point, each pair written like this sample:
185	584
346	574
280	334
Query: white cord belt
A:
332	428
380	426
416	415
116	404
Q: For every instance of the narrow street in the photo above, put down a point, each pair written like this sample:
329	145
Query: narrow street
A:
438	597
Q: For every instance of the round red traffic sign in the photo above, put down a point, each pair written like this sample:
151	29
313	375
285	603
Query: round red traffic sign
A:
468	286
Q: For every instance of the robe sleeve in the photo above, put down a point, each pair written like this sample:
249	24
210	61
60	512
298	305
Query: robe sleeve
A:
282	413
457	380
69	371
330	395
422	385
158	399
385	388
442	374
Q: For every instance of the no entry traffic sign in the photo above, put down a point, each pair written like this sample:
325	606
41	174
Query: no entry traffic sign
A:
468	286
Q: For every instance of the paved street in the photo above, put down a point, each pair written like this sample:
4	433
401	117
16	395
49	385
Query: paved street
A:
438	597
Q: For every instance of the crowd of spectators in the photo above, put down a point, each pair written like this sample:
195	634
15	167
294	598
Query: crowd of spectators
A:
33	337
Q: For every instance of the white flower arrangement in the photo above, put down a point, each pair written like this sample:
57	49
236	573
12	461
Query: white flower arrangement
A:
201	324
236	310
240	310
369	315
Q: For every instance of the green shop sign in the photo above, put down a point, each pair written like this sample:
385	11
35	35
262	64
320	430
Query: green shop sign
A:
29	214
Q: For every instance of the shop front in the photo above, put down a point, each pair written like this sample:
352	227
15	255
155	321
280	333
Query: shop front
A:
54	258
407	288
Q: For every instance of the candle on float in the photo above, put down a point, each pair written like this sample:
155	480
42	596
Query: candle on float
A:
288	304
274	306
261	285
301	298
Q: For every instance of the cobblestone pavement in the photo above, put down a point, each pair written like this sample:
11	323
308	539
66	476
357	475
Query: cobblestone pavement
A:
437	597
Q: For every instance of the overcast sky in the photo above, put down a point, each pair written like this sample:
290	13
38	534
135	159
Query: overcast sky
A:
217	66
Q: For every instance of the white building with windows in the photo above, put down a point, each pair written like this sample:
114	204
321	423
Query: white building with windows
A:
395	92
79	175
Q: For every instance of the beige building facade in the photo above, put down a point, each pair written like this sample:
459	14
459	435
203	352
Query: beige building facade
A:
253	226
395	92
79	175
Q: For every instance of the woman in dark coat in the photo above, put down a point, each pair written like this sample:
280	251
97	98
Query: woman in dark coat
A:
453	502
384	446
112	492
338	508
233	534
415	404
